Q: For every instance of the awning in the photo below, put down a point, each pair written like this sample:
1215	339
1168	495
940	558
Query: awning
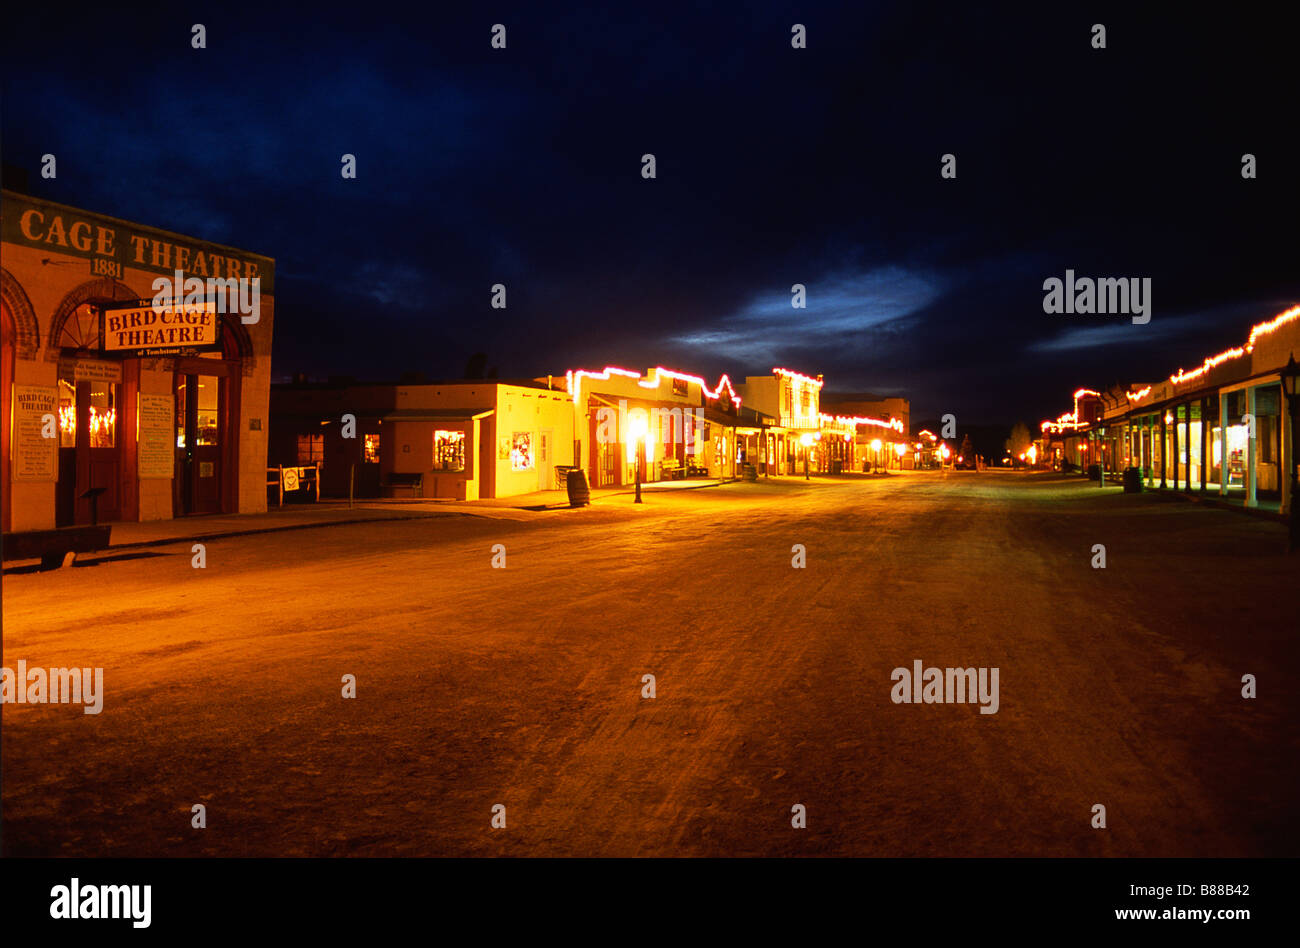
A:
715	417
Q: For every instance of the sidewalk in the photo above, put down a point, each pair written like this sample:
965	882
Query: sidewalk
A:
296	517
329	513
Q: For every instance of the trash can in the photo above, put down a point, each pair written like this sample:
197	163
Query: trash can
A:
579	492
1132	480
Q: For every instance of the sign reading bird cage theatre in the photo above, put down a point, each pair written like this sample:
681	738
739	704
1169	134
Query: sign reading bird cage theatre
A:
152	327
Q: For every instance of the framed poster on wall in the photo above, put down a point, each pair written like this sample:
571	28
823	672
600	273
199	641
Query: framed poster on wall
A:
155	451
35	411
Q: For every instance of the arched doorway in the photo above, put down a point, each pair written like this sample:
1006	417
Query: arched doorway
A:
91	399
90	424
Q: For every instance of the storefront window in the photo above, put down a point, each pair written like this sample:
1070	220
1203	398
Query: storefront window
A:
370	449
180	415
1237	436
67	413
1156	446
1189	445
1194	438
1268	447
1215	459
311	448
103	414
449	451
521	451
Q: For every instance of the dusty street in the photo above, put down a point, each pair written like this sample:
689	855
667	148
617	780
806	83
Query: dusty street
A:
522	686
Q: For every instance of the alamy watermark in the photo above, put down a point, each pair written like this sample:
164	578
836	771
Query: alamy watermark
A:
1105	296
676	425
240	295
75	900
53	686
946	686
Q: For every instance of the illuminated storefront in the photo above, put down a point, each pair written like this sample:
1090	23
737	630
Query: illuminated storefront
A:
159	396
674	423
1221	429
881	424
793	399
454	440
882	443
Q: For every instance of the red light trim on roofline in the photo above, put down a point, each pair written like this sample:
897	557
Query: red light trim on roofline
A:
1260	329
715	393
894	423
788	373
574	379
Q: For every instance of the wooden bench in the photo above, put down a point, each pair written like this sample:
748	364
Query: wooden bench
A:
672	469
55	548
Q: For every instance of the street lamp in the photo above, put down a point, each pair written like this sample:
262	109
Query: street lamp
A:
806	440
1288	386
638	428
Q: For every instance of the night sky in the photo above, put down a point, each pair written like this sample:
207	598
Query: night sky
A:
775	166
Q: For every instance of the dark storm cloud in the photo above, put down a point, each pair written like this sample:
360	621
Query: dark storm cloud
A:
775	167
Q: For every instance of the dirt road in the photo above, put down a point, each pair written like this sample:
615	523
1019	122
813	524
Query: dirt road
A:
523	686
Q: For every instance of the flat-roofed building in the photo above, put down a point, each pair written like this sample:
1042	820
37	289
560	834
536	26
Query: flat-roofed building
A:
453	440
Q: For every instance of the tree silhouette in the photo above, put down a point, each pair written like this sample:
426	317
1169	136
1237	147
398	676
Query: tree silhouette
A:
1020	440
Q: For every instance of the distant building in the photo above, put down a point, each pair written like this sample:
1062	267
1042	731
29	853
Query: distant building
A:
453	440
881	427
793	401
870	406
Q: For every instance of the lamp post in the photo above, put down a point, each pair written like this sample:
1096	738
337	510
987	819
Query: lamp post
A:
806	440
639	454
638	429
1289	386
1100	443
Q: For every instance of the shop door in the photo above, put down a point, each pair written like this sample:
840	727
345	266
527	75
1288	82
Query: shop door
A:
544	460
90	453
199	436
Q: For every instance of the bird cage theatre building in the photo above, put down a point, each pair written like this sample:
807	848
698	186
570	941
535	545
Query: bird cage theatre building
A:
127	398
